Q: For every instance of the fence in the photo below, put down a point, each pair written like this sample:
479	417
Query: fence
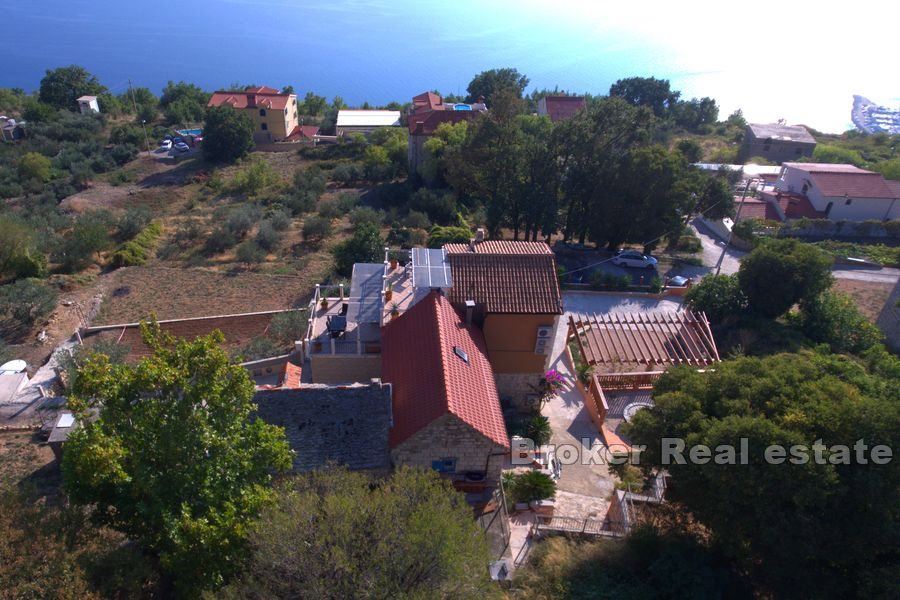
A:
628	381
587	526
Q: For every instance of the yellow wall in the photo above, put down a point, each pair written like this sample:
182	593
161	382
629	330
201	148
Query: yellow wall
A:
279	124
510	342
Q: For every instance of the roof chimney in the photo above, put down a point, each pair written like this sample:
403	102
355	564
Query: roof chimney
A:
420	126
479	235
470	308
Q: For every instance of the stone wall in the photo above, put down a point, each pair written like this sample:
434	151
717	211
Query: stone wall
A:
346	425
350	368
450	437
516	388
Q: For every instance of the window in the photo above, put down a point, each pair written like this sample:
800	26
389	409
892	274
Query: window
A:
264	126
262	112
444	465
461	353
285	112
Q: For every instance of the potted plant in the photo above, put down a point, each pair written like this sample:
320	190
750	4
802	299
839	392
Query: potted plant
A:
324	303
389	291
395	310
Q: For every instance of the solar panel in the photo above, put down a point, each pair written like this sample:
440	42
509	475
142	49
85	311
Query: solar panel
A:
431	269
365	293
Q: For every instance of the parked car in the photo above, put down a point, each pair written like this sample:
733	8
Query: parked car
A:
633	258
181	147
165	145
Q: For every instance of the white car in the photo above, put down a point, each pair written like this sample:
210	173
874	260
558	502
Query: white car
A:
633	258
165	145
182	147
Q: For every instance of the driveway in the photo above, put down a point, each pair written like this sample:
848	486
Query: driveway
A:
585	485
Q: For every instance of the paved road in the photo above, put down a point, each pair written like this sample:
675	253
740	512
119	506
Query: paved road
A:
712	250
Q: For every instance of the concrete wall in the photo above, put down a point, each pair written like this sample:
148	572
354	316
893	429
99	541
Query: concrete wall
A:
450	437
862	209
777	151
335	369
511	340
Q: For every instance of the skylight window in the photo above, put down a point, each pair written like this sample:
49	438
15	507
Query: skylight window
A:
461	353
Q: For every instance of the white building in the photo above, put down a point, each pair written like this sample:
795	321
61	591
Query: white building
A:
842	192
88	105
365	121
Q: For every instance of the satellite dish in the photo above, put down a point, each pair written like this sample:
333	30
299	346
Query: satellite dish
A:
13	366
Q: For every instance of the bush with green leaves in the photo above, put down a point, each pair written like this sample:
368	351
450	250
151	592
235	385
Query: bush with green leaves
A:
249	252
24	303
137	251
254	177
529	486
719	296
438	236
227	134
241	220
440	207
365	214
348	173
366	246
833	318
88	238
267	237
316	228
289	326
538	430
310	181
280	220
133	222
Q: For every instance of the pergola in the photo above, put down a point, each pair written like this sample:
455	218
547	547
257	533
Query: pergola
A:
644	341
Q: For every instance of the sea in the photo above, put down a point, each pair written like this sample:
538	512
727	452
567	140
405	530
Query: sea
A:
798	61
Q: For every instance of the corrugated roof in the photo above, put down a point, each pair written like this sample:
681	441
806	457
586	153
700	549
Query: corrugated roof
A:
368	118
794	133
430	380
505	276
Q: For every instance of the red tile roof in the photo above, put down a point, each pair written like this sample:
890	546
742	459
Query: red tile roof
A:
303	132
560	108
505	276
758	209
427	101
263	97
429	380
793	205
427	122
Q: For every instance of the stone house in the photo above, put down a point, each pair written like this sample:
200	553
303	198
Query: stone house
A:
344	425
776	142
512	290
273	113
446	410
560	108
428	112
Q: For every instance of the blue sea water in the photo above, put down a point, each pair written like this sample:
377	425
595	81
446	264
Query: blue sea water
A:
379	51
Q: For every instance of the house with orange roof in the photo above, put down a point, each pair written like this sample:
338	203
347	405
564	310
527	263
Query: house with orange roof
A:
446	410
274	114
512	290
428	112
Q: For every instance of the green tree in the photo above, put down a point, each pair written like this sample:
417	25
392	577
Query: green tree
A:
781	273
438	236
339	534
88	238
488	83
719	296
316	228
34	167
832	318
889	168
828	153
313	105
227	134
15	236
60	88
655	94
174	458
366	246
695	114
184	103
785	531
691	149
26	302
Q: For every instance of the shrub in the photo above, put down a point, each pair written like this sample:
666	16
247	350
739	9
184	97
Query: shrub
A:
280	220
27	301
530	486
310	181
329	209
366	246
365	214
438	236
300	202
832	318
316	228
137	251
241	220
719	296
220	240
257	348
347	201
287	327
254	178
249	252
417	220
132	222
538	429
440	207
267	237
348	173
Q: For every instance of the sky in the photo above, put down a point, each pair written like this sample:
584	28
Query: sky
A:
797	60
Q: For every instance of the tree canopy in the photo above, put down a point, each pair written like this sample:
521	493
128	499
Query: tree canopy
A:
366	246
814	528
487	83
60	88
227	134
173	458
338	534
655	94
780	273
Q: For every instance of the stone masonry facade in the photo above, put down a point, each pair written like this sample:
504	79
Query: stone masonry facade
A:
449	437
517	388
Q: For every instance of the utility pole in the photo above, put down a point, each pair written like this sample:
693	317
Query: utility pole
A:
146	139
731	231
133	101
